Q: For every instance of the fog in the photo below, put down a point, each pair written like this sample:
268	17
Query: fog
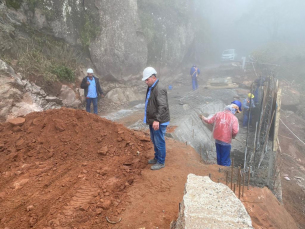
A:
247	25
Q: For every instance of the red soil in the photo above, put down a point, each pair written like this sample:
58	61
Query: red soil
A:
71	169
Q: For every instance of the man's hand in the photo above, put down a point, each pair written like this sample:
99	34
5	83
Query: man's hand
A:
155	125
102	96
201	117
88	82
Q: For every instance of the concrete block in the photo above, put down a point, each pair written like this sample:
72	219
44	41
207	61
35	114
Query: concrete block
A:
207	204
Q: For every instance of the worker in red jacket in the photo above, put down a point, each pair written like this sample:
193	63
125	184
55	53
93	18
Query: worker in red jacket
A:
225	127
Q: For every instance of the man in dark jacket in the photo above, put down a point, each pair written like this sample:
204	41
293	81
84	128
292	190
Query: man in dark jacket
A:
93	89
156	116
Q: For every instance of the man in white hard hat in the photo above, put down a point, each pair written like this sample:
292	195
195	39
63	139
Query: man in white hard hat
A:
93	90
156	116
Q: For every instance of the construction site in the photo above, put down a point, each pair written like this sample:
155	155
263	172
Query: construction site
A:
66	165
67	168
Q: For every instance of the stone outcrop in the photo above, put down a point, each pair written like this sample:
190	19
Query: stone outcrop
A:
207	204
120	49
20	97
123	95
68	97
110	29
117	38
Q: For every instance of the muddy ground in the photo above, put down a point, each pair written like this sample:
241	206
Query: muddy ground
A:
70	169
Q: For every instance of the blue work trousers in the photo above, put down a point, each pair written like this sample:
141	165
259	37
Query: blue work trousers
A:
157	137
194	83
88	104
223	154
245	118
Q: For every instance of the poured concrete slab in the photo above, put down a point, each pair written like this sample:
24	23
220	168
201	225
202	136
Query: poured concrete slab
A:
207	204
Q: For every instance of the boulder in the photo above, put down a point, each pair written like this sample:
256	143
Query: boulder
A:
20	97
120	49
68	97
123	95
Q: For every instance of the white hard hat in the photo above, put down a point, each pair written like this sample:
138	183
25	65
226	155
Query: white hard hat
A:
90	70
148	72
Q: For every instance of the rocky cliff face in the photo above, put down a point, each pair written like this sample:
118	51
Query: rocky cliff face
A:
121	36
167	25
109	29
44	38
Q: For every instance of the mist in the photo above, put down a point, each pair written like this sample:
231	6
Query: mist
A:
248	25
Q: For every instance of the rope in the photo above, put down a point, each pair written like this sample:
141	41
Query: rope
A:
292	132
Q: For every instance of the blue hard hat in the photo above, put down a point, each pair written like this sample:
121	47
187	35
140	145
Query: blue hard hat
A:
238	103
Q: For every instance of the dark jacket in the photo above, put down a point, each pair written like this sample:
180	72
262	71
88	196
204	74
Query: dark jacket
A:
157	106
84	86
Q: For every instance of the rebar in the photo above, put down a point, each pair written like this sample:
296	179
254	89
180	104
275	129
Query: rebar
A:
239	179
232	173
227	174
248	177
243	184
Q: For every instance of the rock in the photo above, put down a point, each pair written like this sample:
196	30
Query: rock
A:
287	178
53	99
123	95
106	204
103	151
123	53
99	211
30	208
17	121
35	89
68	97
19	184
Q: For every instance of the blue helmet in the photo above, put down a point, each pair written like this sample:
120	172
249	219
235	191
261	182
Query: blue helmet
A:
238	103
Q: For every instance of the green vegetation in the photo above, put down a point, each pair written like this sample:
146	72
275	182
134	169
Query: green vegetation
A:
63	73
89	29
43	56
16	4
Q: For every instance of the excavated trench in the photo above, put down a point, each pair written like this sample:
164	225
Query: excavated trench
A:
185	106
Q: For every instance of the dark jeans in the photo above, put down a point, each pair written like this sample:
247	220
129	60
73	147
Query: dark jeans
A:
246	119
157	137
88	104
223	154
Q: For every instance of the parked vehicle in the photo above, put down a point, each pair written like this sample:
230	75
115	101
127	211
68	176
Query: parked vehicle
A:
228	55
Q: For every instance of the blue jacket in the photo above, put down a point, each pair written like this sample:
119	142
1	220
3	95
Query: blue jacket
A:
193	72
246	103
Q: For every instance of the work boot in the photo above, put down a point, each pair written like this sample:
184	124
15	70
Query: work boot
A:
157	166
152	161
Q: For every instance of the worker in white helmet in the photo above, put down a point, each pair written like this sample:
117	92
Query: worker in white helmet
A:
93	90
156	116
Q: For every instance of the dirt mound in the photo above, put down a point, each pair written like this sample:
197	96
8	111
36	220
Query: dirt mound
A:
65	168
